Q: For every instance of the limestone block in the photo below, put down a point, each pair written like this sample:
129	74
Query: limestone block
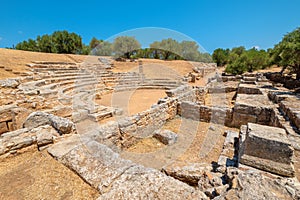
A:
190	110
248	89
3	127
5	112
117	178
189	173
36	119
268	148
166	137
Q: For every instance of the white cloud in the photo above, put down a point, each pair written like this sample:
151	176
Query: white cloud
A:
256	47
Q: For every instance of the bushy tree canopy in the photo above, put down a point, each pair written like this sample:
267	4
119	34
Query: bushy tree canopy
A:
125	46
57	42
220	56
241	60
100	47
66	42
287	52
170	49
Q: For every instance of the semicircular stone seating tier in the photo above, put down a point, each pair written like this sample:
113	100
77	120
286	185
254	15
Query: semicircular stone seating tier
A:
73	84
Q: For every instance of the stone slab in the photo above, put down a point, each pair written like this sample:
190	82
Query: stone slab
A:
269	149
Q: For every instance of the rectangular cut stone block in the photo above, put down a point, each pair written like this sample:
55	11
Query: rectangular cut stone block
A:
3	127
190	110
100	116
249	89
5	112
177	91
269	149
291	108
166	137
252	108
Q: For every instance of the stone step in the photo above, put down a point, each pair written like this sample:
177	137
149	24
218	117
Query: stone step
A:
100	116
57	70
291	109
78	86
66	78
14	141
53	63
63	75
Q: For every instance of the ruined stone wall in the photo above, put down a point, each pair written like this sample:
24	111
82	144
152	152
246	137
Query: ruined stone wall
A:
136	127
6	119
198	112
287	81
12	118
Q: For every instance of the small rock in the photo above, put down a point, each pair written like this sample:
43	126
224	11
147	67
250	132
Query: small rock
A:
166	137
221	189
3	127
290	190
216	181
212	128
33	105
45	136
10	83
190	173
210	192
36	119
62	125
234	183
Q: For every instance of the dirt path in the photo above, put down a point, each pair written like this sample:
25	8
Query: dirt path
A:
180	67
202	144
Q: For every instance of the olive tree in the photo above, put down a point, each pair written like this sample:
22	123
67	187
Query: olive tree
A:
125	46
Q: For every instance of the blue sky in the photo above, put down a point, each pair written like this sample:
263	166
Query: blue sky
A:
211	23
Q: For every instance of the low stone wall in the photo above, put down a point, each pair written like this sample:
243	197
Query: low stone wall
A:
231	78
6	118
178	91
287	81
248	89
198	112
291	109
248	108
205	68
12	118
200	93
252	108
138	126
221	87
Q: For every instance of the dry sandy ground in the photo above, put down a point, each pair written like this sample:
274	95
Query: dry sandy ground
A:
132	102
180	67
198	151
36	175
16	60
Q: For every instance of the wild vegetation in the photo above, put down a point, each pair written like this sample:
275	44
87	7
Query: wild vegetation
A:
122	47
285	54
